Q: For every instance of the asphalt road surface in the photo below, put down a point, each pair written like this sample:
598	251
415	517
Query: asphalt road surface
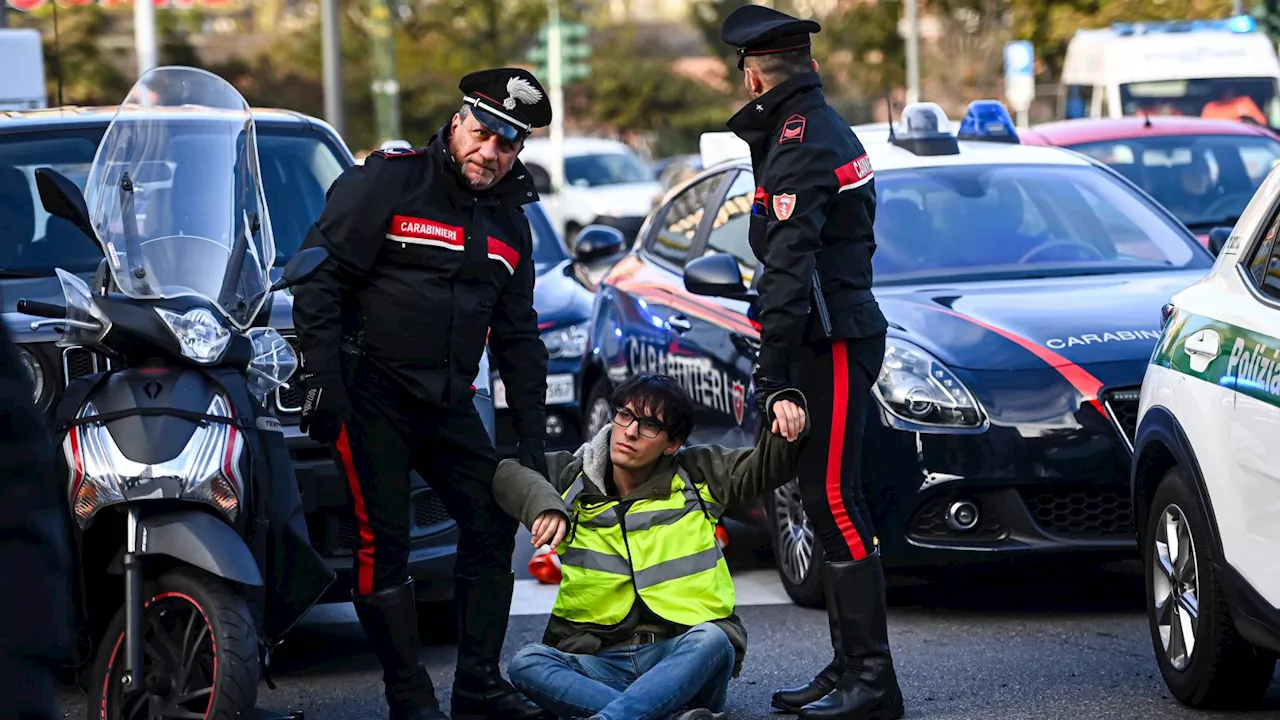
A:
1054	644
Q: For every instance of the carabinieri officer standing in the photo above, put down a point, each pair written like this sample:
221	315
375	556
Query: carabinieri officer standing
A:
823	333
431	252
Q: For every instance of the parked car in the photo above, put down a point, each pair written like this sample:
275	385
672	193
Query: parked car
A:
1205	479
299	156
1022	287
605	183
1203	171
564	290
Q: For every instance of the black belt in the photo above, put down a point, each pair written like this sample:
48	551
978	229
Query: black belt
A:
639	638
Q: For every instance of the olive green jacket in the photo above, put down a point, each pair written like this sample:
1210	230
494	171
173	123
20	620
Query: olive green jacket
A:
734	477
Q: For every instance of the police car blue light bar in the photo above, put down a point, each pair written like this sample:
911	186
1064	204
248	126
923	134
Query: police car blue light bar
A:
1236	24
924	130
988	121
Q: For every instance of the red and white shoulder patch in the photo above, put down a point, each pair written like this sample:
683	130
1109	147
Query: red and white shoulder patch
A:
792	130
783	205
502	252
855	173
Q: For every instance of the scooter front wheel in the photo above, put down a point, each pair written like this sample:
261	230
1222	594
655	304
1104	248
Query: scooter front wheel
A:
200	655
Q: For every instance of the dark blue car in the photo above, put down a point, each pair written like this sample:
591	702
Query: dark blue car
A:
1023	287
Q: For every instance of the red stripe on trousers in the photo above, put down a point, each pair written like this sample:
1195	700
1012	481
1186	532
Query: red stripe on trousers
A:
835	450
364	558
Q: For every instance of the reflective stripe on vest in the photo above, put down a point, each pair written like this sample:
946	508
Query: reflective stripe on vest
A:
668	555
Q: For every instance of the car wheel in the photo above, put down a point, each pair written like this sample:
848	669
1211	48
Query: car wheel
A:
796	547
599	409
1204	661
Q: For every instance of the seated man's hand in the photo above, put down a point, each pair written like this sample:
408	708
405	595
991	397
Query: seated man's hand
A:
788	420
549	529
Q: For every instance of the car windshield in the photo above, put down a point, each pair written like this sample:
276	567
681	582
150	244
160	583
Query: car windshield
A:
1206	180
987	222
1213	98
297	167
547	248
605	169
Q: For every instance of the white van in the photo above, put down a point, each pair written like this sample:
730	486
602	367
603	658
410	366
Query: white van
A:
1223	69
22	82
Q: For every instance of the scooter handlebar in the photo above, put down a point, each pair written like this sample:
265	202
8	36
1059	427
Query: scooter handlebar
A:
42	309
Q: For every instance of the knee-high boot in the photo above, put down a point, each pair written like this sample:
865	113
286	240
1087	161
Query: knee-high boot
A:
479	691
792	699
390	621
867	688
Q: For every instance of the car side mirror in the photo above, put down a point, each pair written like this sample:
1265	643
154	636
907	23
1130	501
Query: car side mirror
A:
301	267
1218	239
716	275
61	198
597	242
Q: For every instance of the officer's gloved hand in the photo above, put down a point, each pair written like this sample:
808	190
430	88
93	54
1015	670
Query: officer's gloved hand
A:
533	455
767	385
326	409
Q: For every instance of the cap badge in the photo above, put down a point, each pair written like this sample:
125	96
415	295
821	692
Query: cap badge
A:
520	89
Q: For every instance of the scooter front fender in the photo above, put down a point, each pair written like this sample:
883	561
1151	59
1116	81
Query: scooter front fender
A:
201	540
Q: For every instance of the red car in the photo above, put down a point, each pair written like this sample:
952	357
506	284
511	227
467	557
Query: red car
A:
1203	171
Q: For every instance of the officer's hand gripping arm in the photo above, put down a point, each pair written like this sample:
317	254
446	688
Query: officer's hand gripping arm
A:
791	246
521	358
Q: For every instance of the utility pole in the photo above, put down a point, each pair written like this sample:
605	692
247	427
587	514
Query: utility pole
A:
331	49
555	68
386	89
913	52
144	34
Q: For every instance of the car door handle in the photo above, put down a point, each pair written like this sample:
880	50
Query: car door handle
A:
680	323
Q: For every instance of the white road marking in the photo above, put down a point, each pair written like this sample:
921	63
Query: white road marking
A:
754	587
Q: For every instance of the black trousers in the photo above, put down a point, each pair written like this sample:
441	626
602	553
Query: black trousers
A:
391	433
836	378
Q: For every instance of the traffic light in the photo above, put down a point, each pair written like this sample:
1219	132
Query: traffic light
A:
575	50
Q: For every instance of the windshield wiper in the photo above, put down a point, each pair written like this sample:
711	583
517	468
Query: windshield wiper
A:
1210	224
7	273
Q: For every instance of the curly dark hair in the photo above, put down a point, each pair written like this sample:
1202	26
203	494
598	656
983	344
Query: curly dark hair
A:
662	396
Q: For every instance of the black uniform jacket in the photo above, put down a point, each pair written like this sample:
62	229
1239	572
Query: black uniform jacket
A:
815	205
426	267
37	613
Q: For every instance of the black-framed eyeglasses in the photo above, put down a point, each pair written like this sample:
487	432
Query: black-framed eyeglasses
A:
649	427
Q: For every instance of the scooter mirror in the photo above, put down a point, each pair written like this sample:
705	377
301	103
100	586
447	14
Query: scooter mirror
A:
301	267
61	198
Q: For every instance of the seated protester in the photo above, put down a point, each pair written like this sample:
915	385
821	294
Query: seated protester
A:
644	625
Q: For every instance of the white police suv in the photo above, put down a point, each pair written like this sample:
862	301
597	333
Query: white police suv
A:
1205	479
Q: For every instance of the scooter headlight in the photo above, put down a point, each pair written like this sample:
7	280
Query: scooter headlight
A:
200	335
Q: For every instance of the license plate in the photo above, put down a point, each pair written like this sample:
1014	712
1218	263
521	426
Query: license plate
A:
559	391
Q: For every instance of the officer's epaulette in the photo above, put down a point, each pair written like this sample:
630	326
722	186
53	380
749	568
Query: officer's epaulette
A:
398	152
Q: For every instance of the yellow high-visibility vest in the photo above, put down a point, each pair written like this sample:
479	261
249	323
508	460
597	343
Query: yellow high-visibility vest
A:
662	549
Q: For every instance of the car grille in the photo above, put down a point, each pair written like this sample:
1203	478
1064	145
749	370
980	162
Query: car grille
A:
930	523
78	362
289	396
428	510
1122	406
1084	513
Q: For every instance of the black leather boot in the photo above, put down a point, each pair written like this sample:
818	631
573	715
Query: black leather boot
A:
479	690
390	620
867	688
792	699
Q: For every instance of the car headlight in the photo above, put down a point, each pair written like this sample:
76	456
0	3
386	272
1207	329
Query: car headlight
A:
35	373
200	335
565	342
920	393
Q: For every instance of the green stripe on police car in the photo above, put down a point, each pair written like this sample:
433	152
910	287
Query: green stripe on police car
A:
1223	354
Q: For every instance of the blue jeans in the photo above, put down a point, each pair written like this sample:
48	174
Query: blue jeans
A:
639	682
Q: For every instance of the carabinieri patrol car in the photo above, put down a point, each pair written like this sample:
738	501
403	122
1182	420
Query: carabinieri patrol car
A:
1206	483
1023	287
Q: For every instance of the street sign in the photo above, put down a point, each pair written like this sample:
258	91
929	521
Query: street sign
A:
1020	75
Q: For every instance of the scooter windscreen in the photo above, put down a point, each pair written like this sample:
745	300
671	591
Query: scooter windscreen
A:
175	195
